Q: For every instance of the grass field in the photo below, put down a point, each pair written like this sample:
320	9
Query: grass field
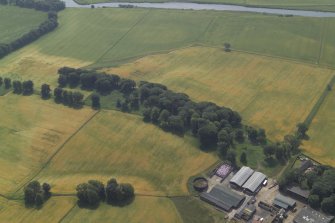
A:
115	144
143	209
321	143
31	130
106	37
53	210
15	21
270	93
323	5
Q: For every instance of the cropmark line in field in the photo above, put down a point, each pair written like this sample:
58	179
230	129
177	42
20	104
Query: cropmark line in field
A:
57	151
67	213
123	36
322	37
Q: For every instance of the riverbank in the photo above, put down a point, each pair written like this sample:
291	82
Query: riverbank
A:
215	7
330	7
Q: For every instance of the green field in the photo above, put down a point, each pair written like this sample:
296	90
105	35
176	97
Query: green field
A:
323	5
269	93
31	130
321	144
106	37
15	21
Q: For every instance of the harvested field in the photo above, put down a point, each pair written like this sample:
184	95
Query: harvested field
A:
53	210
143	209
120	145
31	130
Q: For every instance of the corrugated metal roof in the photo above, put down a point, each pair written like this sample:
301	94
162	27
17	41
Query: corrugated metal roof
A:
242	176
280	204
299	191
254	181
223	197
283	201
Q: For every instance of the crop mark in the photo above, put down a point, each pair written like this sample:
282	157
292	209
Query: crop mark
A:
56	152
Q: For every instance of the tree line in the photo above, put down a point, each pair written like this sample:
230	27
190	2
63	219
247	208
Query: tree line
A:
290	145
69	98
216	127
93	192
321	183
50	6
40	5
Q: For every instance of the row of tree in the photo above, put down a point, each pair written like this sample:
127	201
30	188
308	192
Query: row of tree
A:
6	81
25	87
36	194
216	127
320	181
173	112
69	98
91	80
93	192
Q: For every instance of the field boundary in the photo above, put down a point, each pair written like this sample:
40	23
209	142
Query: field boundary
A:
67	213
115	63
319	102
56	152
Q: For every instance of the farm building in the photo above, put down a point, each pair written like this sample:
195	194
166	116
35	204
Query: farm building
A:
254	183
241	177
305	164
223	198
284	202
298	193
246	212
308	215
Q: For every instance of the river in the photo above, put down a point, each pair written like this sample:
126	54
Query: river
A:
217	7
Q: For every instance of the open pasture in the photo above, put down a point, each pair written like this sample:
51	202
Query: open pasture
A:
321	144
269	93
15	21
115	144
31	130
105	37
143	209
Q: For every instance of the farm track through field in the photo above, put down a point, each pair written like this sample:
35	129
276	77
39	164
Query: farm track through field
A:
322	39
67	213
56	152
123	36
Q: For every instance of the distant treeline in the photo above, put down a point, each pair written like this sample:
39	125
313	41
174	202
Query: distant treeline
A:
40	5
214	126
50	6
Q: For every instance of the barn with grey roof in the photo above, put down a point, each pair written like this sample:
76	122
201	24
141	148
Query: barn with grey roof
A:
284	202
241	176
254	183
223	198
